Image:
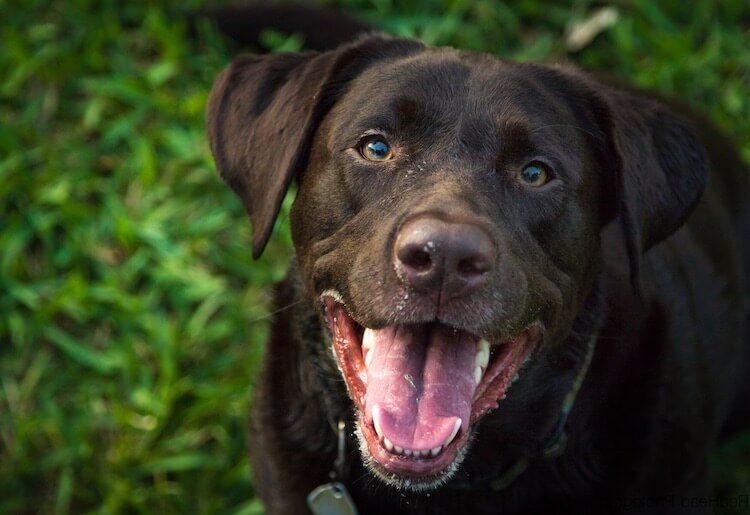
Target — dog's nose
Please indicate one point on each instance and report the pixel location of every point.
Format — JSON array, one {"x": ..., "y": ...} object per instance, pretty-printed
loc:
[{"x": 435, "y": 255}]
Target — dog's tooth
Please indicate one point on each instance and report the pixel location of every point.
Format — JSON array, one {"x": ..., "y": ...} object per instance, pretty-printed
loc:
[
  {"x": 368, "y": 339},
  {"x": 477, "y": 374},
  {"x": 483, "y": 353},
  {"x": 482, "y": 359},
  {"x": 399, "y": 450},
  {"x": 453, "y": 433},
  {"x": 387, "y": 444},
  {"x": 434, "y": 452},
  {"x": 368, "y": 358},
  {"x": 376, "y": 422}
]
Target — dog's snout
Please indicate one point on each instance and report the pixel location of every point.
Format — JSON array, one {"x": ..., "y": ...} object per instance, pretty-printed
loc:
[{"x": 436, "y": 255}]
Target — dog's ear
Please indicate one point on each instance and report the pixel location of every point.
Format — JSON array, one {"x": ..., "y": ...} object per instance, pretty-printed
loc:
[
  {"x": 655, "y": 168},
  {"x": 660, "y": 169},
  {"x": 262, "y": 115}
]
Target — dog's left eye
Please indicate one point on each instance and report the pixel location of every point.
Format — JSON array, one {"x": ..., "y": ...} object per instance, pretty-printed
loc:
[
  {"x": 376, "y": 149},
  {"x": 535, "y": 175}
]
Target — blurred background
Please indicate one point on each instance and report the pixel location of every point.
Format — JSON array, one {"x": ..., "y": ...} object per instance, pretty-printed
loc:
[{"x": 132, "y": 317}]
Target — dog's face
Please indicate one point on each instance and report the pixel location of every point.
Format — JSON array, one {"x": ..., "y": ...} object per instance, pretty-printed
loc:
[
  {"x": 434, "y": 187},
  {"x": 447, "y": 221}
]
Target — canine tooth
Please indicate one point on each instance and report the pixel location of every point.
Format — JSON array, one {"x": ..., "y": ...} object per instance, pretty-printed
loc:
[
  {"x": 434, "y": 452},
  {"x": 368, "y": 358},
  {"x": 368, "y": 339},
  {"x": 453, "y": 433},
  {"x": 376, "y": 422},
  {"x": 482, "y": 359},
  {"x": 483, "y": 353},
  {"x": 387, "y": 444},
  {"x": 399, "y": 450},
  {"x": 477, "y": 374}
]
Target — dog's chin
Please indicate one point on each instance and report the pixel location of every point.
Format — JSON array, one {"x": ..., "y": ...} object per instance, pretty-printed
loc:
[
  {"x": 419, "y": 390},
  {"x": 399, "y": 480}
]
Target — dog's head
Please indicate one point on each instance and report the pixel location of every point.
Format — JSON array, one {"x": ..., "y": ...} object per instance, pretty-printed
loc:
[{"x": 448, "y": 217}]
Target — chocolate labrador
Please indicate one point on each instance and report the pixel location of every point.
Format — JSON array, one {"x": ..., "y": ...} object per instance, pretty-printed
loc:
[{"x": 514, "y": 287}]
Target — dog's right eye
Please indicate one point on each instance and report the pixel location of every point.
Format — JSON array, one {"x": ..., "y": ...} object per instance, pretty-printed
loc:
[
  {"x": 535, "y": 175},
  {"x": 376, "y": 149}
]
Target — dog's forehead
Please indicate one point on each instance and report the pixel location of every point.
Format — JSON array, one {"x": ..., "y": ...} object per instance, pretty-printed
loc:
[{"x": 446, "y": 87}]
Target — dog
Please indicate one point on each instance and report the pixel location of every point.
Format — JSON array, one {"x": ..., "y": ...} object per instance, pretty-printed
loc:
[{"x": 515, "y": 287}]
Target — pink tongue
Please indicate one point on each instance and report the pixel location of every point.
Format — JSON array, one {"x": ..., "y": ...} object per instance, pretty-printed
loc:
[{"x": 419, "y": 382}]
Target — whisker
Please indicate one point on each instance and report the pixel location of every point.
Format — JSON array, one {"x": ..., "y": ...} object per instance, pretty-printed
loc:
[
  {"x": 595, "y": 136},
  {"x": 273, "y": 313},
  {"x": 599, "y": 336}
]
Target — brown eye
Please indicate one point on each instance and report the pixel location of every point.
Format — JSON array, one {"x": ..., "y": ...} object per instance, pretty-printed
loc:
[
  {"x": 376, "y": 149},
  {"x": 535, "y": 175}
]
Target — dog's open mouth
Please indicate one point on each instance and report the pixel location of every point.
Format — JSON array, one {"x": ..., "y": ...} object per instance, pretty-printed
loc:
[{"x": 420, "y": 387}]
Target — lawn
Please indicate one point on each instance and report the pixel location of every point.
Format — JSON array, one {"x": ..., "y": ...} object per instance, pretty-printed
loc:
[{"x": 132, "y": 317}]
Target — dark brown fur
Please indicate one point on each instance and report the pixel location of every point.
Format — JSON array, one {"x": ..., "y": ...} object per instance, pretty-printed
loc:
[{"x": 636, "y": 245}]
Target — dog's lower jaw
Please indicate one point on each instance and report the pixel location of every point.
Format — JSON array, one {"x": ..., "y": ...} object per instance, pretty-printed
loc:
[{"x": 405, "y": 483}]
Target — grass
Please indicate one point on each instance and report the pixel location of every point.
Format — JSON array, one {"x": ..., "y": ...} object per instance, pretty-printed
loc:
[{"x": 131, "y": 315}]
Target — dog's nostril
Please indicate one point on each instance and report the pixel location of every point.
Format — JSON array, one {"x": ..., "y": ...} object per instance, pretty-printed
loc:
[
  {"x": 416, "y": 258},
  {"x": 472, "y": 266}
]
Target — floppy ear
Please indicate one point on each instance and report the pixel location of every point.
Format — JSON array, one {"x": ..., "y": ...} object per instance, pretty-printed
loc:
[
  {"x": 263, "y": 111},
  {"x": 654, "y": 166},
  {"x": 660, "y": 170}
]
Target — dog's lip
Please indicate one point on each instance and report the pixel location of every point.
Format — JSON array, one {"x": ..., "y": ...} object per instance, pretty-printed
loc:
[{"x": 507, "y": 358}]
